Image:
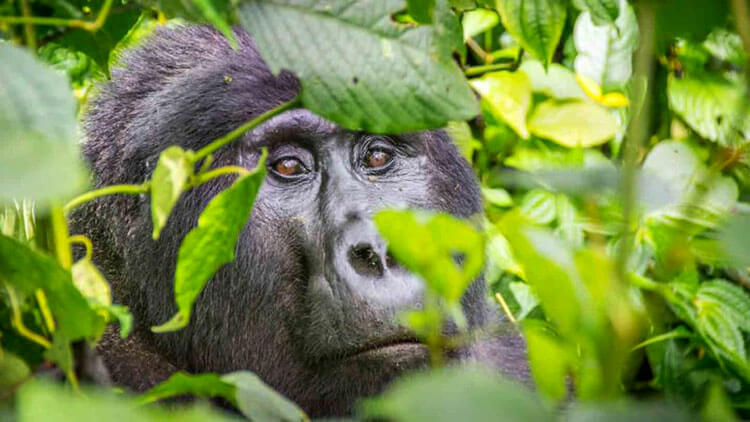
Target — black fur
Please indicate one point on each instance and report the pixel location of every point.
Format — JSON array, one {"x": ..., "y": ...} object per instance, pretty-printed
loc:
[{"x": 292, "y": 304}]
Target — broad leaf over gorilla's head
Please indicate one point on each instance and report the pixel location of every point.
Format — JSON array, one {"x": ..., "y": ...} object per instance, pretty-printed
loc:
[{"x": 386, "y": 77}]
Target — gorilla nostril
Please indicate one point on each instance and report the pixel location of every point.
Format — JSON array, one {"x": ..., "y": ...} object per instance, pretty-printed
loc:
[{"x": 365, "y": 261}]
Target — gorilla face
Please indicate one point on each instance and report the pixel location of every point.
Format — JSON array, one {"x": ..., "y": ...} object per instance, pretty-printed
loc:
[
  {"x": 310, "y": 301},
  {"x": 332, "y": 292}
]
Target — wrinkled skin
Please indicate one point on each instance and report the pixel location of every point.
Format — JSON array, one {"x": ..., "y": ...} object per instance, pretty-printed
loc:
[{"x": 309, "y": 302}]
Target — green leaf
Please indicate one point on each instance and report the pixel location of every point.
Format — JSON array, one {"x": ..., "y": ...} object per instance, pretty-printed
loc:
[
  {"x": 26, "y": 271},
  {"x": 676, "y": 174},
  {"x": 461, "y": 134},
  {"x": 244, "y": 390},
  {"x": 548, "y": 360},
  {"x": 574, "y": 124},
  {"x": 537, "y": 25},
  {"x": 212, "y": 244},
  {"x": 550, "y": 270},
  {"x": 556, "y": 81},
  {"x": 40, "y": 401},
  {"x": 136, "y": 36},
  {"x": 508, "y": 95},
  {"x": 170, "y": 178},
  {"x": 499, "y": 258},
  {"x": 100, "y": 43},
  {"x": 735, "y": 237},
  {"x": 385, "y": 78},
  {"x": 13, "y": 371},
  {"x": 525, "y": 298},
  {"x": 427, "y": 244},
  {"x": 538, "y": 206},
  {"x": 181, "y": 383},
  {"x": 605, "y": 53},
  {"x": 259, "y": 402},
  {"x": 718, "y": 328},
  {"x": 455, "y": 394},
  {"x": 731, "y": 299},
  {"x": 602, "y": 11},
  {"x": 90, "y": 282},
  {"x": 710, "y": 104},
  {"x": 39, "y": 157},
  {"x": 477, "y": 21},
  {"x": 421, "y": 10},
  {"x": 496, "y": 196},
  {"x": 219, "y": 13}
]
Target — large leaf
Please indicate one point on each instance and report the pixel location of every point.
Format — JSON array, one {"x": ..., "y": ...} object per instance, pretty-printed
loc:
[
  {"x": 456, "y": 394},
  {"x": 39, "y": 156},
  {"x": 574, "y": 124},
  {"x": 735, "y": 239},
  {"x": 678, "y": 170},
  {"x": 427, "y": 244},
  {"x": 259, "y": 402},
  {"x": 212, "y": 244},
  {"x": 537, "y": 25},
  {"x": 733, "y": 300},
  {"x": 550, "y": 269},
  {"x": 256, "y": 400},
  {"x": 508, "y": 95},
  {"x": 384, "y": 78},
  {"x": 605, "y": 53},
  {"x": 548, "y": 359},
  {"x": 170, "y": 178},
  {"x": 711, "y": 106},
  {"x": 47, "y": 402},
  {"x": 556, "y": 81}
]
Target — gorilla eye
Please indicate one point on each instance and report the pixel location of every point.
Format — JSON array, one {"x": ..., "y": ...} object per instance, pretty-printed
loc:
[
  {"x": 377, "y": 157},
  {"x": 288, "y": 167}
]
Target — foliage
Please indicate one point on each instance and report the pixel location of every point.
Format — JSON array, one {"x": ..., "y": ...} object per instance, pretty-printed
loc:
[{"x": 617, "y": 214}]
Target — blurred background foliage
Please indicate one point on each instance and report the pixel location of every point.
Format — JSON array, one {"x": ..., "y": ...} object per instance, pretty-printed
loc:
[{"x": 612, "y": 148}]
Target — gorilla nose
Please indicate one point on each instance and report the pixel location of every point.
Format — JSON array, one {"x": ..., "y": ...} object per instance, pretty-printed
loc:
[
  {"x": 362, "y": 262},
  {"x": 366, "y": 261}
]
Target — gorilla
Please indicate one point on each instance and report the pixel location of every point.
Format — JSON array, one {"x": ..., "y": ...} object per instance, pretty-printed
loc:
[{"x": 309, "y": 304}]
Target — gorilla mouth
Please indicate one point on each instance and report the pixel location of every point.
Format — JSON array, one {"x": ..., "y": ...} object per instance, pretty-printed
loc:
[{"x": 388, "y": 349}]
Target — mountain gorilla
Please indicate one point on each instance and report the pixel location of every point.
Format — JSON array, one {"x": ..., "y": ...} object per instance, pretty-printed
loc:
[{"x": 309, "y": 302}]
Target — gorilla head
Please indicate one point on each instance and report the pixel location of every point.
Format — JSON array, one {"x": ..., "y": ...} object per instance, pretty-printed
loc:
[{"x": 309, "y": 302}]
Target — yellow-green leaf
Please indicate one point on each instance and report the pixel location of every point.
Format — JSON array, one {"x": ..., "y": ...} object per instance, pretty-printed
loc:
[
  {"x": 168, "y": 182},
  {"x": 573, "y": 124},
  {"x": 212, "y": 244},
  {"x": 508, "y": 95}
]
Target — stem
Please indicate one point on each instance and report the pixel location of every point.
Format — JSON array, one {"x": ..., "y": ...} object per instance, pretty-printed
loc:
[
  {"x": 60, "y": 237},
  {"x": 479, "y": 70},
  {"x": 108, "y": 190},
  {"x": 218, "y": 172},
  {"x": 28, "y": 27},
  {"x": 231, "y": 136},
  {"x": 17, "y": 320},
  {"x": 85, "y": 241},
  {"x": 637, "y": 134},
  {"x": 501, "y": 300},
  {"x": 71, "y": 23},
  {"x": 663, "y": 337},
  {"x": 476, "y": 49},
  {"x": 41, "y": 299}
]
